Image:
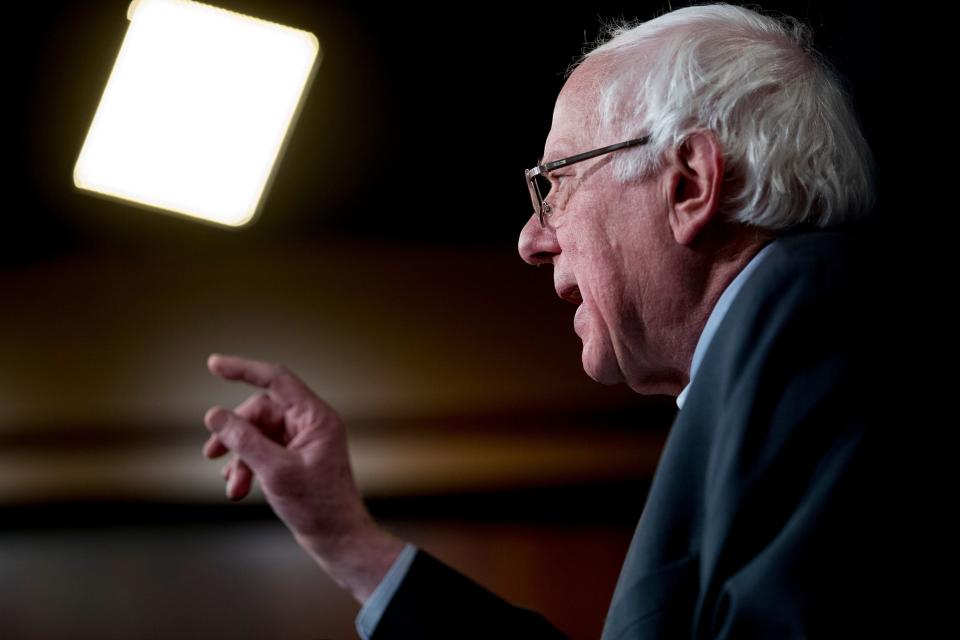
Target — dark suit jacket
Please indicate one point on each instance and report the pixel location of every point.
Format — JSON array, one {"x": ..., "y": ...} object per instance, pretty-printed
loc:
[{"x": 766, "y": 516}]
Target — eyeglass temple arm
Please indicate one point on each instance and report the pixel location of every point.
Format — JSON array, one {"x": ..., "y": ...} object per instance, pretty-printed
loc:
[{"x": 580, "y": 157}]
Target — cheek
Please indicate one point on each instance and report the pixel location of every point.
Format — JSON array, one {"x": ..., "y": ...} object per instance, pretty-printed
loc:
[
  {"x": 602, "y": 287},
  {"x": 608, "y": 304},
  {"x": 595, "y": 263}
]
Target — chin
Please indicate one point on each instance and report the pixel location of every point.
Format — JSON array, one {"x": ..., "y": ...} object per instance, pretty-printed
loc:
[{"x": 601, "y": 368}]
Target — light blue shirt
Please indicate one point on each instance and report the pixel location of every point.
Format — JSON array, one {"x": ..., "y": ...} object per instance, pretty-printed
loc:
[{"x": 376, "y": 604}]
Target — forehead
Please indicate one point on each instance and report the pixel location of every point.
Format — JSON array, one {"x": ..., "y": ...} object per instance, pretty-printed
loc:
[{"x": 576, "y": 117}]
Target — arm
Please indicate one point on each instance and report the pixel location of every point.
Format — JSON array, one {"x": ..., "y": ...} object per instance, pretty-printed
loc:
[
  {"x": 296, "y": 444},
  {"x": 436, "y": 602}
]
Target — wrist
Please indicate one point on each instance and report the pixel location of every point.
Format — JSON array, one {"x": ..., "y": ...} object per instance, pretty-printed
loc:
[{"x": 358, "y": 559}]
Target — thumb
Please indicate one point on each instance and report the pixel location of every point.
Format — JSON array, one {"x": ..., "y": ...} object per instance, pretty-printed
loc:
[{"x": 243, "y": 438}]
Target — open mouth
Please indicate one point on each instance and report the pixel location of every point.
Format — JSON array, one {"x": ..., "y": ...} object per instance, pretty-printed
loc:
[{"x": 571, "y": 294}]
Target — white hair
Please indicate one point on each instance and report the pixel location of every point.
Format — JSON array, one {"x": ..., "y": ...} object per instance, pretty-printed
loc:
[{"x": 793, "y": 151}]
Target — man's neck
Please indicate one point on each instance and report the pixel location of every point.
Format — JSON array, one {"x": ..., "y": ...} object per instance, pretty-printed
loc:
[{"x": 728, "y": 261}]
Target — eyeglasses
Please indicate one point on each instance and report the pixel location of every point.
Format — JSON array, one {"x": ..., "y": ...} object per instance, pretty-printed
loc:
[{"x": 537, "y": 175}]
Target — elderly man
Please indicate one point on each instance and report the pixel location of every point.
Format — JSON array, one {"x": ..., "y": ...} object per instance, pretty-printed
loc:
[{"x": 693, "y": 164}]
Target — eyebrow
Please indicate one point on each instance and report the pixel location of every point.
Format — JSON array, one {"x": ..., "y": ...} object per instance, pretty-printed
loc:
[{"x": 564, "y": 146}]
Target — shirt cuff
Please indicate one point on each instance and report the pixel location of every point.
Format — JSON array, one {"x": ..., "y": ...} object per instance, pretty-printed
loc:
[{"x": 376, "y": 604}]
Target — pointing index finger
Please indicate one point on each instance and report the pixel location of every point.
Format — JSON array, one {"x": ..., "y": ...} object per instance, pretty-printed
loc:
[
  {"x": 255, "y": 372},
  {"x": 285, "y": 387}
]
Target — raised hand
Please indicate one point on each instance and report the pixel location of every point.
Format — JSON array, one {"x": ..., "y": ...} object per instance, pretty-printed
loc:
[{"x": 295, "y": 443}]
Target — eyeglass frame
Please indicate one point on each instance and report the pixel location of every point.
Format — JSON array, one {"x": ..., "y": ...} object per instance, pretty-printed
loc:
[{"x": 540, "y": 207}]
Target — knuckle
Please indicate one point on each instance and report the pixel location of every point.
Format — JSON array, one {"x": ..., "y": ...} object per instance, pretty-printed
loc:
[
  {"x": 260, "y": 403},
  {"x": 312, "y": 413},
  {"x": 250, "y": 408},
  {"x": 241, "y": 439}
]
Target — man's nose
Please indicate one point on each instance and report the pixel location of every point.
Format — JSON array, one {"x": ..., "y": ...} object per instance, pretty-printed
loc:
[{"x": 538, "y": 244}]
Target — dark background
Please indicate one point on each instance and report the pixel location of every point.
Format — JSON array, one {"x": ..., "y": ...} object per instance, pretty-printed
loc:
[
  {"x": 415, "y": 129},
  {"x": 383, "y": 268}
]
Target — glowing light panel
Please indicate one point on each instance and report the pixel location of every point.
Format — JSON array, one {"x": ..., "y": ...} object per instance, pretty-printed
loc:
[{"x": 196, "y": 110}]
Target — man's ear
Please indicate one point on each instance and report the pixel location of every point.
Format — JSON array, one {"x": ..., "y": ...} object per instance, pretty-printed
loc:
[{"x": 695, "y": 185}]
